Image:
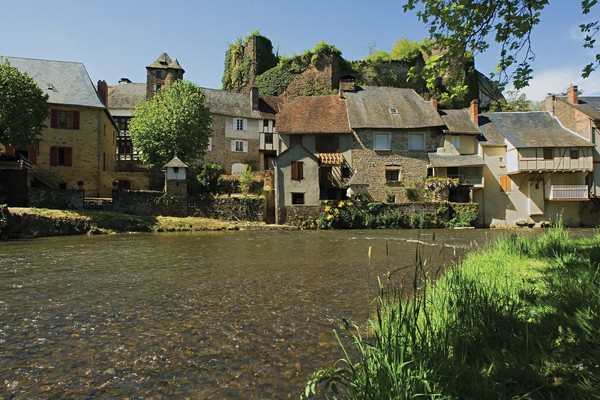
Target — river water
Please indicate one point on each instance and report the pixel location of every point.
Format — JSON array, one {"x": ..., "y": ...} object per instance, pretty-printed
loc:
[{"x": 204, "y": 315}]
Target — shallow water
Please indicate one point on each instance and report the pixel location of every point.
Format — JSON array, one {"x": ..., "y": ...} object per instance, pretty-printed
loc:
[{"x": 216, "y": 315}]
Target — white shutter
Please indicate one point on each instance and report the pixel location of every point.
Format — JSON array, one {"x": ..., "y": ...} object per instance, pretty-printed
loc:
[
  {"x": 233, "y": 145},
  {"x": 245, "y": 144},
  {"x": 245, "y": 127}
]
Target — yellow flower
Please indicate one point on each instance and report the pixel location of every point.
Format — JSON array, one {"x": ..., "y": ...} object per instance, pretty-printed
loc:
[
  {"x": 341, "y": 204},
  {"x": 349, "y": 204},
  {"x": 329, "y": 217},
  {"x": 327, "y": 208}
]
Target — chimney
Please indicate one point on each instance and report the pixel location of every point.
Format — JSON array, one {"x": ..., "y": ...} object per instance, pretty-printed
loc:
[
  {"x": 573, "y": 94},
  {"x": 475, "y": 112},
  {"x": 103, "y": 92},
  {"x": 347, "y": 84},
  {"x": 434, "y": 102},
  {"x": 124, "y": 80},
  {"x": 254, "y": 98}
]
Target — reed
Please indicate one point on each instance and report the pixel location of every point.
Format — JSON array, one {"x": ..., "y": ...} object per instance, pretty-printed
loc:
[{"x": 518, "y": 319}]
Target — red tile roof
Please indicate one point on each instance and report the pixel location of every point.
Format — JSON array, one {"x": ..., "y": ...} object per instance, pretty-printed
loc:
[{"x": 314, "y": 114}]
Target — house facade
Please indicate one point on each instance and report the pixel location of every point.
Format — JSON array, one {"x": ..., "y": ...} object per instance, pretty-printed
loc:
[
  {"x": 536, "y": 170},
  {"x": 78, "y": 142}
]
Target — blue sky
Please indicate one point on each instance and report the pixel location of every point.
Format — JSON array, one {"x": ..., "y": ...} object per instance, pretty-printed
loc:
[{"x": 116, "y": 39}]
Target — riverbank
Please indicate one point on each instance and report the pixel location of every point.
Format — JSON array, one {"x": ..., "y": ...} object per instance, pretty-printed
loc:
[
  {"x": 518, "y": 319},
  {"x": 20, "y": 223}
]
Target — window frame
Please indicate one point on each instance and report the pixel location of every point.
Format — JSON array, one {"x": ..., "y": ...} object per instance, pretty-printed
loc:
[
  {"x": 421, "y": 136},
  {"x": 240, "y": 124},
  {"x": 235, "y": 147},
  {"x": 61, "y": 156},
  {"x": 381, "y": 135},
  {"x": 295, "y": 196}
]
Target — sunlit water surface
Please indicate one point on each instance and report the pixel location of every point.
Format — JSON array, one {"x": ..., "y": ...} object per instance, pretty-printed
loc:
[{"x": 218, "y": 315}]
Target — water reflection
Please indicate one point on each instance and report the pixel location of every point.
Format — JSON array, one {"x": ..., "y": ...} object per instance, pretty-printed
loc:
[{"x": 222, "y": 315}]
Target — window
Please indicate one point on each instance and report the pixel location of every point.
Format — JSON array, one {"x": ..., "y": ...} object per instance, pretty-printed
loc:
[
  {"x": 346, "y": 172},
  {"x": 393, "y": 111},
  {"x": 61, "y": 156},
  {"x": 160, "y": 73},
  {"x": 239, "y": 146},
  {"x": 295, "y": 139},
  {"x": 505, "y": 183},
  {"x": 240, "y": 124},
  {"x": 265, "y": 125},
  {"x": 574, "y": 154},
  {"x": 157, "y": 87},
  {"x": 209, "y": 147},
  {"x": 392, "y": 175},
  {"x": 268, "y": 138},
  {"x": 416, "y": 141},
  {"x": 327, "y": 144},
  {"x": 381, "y": 141},
  {"x": 297, "y": 198},
  {"x": 64, "y": 119},
  {"x": 548, "y": 153},
  {"x": 297, "y": 170},
  {"x": 455, "y": 141}
]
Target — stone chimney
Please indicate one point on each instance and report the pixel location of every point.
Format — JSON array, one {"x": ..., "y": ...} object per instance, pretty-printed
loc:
[
  {"x": 254, "y": 98},
  {"x": 434, "y": 102},
  {"x": 103, "y": 92},
  {"x": 475, "y": 112},
  {"x": 573, "y": 94},
  {"x": 347, "y": 84}
]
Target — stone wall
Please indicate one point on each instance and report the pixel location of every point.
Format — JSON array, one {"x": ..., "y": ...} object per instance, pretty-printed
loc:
[
  {"x": 298, "y": 215},
  {"x": 148, "y": 202},
  {"x": 228, "y": 208},
  {"x": 40, "y": 197}
]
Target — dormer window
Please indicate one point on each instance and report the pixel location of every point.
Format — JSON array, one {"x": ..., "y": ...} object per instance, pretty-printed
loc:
[{"x": 393, "y": 111}]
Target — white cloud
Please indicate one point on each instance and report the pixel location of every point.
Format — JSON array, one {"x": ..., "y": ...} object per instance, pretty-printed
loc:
[{"x": 557, "y": 80}]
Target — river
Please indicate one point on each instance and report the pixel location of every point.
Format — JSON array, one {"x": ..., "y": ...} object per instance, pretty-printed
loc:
[{"x": 204, "y": 315}]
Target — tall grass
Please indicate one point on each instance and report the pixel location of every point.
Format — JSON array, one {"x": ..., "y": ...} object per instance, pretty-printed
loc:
[{"x": 519, "y": 319}]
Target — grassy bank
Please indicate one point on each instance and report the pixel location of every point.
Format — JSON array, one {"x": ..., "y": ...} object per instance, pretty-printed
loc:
[
  {"x": 34, "y": 222},
  {"x": 519, "y": 319}
]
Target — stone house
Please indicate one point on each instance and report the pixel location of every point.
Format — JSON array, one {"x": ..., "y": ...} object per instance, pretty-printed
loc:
[
  {"x": 236, "y": 124},
  {"x": 78, "y": 143},
  {"x": 314, "y": 153},
  {"x": 536, "y": 170},
  {"x": 459, "y": 156},
  {"x": 393, "y": 130}
]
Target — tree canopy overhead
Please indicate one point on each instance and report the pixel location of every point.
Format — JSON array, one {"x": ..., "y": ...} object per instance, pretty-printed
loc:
[
  {"x": 23, "y": 108},
  {"x": 464, "y": 27},
  {"x": 174, "y": 122}
]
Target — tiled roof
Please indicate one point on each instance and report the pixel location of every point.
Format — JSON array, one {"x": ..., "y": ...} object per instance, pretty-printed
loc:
[
  {"x": 230, "y": 103},
  {"x": 459, "y": 121},
  {"x": 126, "y": 96},
  {"x": 589, "y": 105},
  {"x": 373, "y": 107},
  {"x": 527, "y": 129},
  {"x": 269, "y": 106},
  {"x": 65, "y": 82},
  {"x": 176, "y": 163},
  {"x": 455, "y": 160},
  {"x": 164, "y": 62},
  {"x": 314, "y": 114}
]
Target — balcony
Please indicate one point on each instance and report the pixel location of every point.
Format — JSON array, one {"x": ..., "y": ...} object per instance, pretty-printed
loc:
[
  {"x": 569, "y": 192},
  {"x": 268, "y": 141}
]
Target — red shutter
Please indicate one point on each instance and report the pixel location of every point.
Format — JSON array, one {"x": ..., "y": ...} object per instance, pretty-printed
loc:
[
  {"x": 54, "y": 156},
  {"x": 32, "y": 155},
  {"x": 10, "y": 151},
  {"x": 54, "y": 118},
  {"x": 300, "y": 170},
  {"x": 75, "y": 119},
  {"x": 68, "y": 157},
  {"x": 294, "y": 170}
]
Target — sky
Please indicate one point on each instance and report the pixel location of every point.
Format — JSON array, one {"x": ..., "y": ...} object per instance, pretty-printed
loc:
[{"x": 118, "y": 39}]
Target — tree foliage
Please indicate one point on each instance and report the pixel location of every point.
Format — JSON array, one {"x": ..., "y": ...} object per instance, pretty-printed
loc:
[
  {"x": 463, "y": 27},
  {"x": 23, "y": 108},
  {"x": 174, "y": 122},
  {"x": 514, "y": 101}
]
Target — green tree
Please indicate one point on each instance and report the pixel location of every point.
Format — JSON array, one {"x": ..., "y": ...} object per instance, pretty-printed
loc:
[
  {"x": 464, "y": 28},
  {"x": 23, "y": 108},
  {"x": 174, "y": 121},
  {"x": 514, "y": 101}
]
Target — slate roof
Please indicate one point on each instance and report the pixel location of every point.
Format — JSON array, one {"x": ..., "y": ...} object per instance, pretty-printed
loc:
[
  {"x": 527, "y": 129},
  {"x": 125, "y": 97},
  {"x": 65, "y": 82},
  {"x": 176, "y": 163},
  {"x": 164, "y": 62},
  {"x": 459, "y": 121},
  {"x": 269, "y": 106},
  {"x": 369, "y": 107},
  {"x": 314, "y": 114},
  {"x": 455, "y": 160},
  {"x": 230, "y": 103},
  {"x": 589, "y": 105}
]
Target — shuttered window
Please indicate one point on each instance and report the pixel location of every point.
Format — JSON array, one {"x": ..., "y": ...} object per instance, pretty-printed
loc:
[
  {"x": 240, "y": 124},
  {"x": 64, "y": 119},
  {"x": 505, "y": 183},
  {"x": 239, "y": 146},
  {"x": 297, "y": 170},
  {"x": 61, "y": 156}
]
